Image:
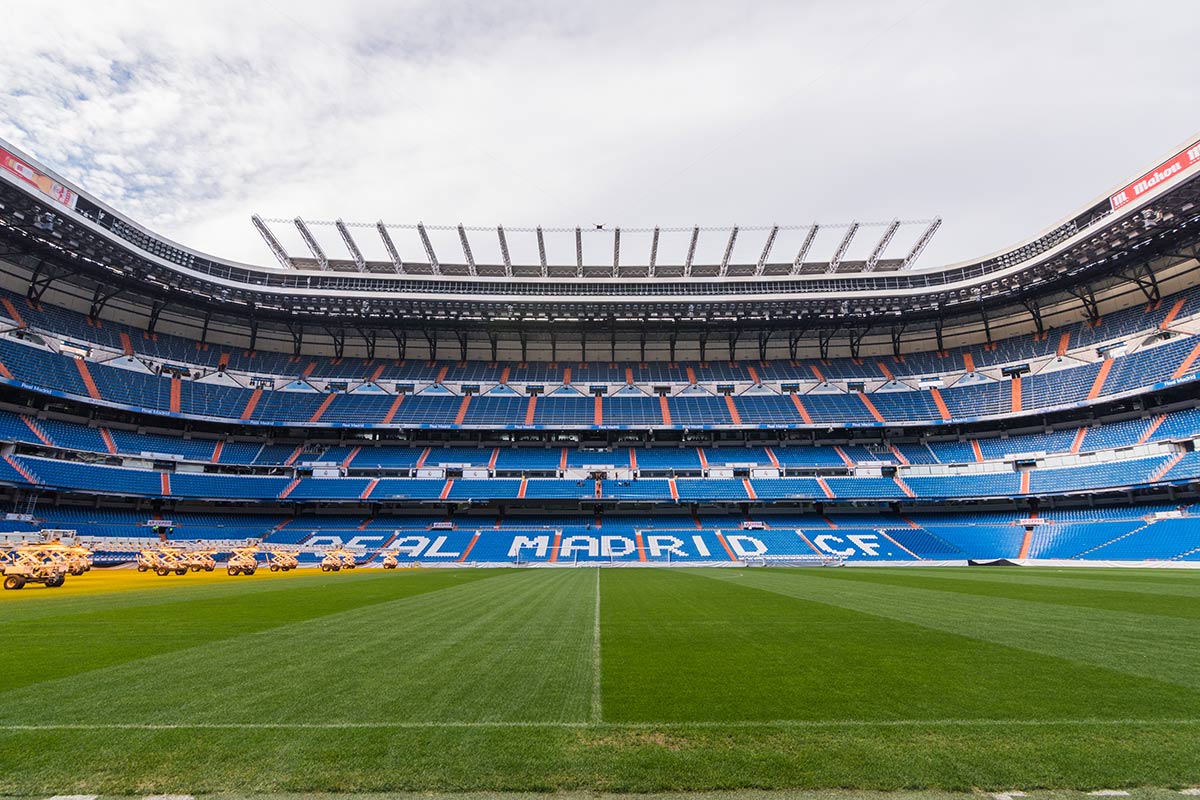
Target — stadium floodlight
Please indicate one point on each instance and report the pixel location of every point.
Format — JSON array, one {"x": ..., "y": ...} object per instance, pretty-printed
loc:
[
  {"x": 804, "y": 248},
  {"x": 351, "y": 245},
  {"x": 842, "y": 248},
  {"x": 920, "y": 244},
  {"x": 884, "y": 241},
  {"x": 466, "y": 246},
  {"x": 390, "y": 246},
  {"x": 312, "y": 244},
  {"x": 272, "y": 243},
  {"x": 728, "y": 251},
  {"x": 433, "y": 260},
  {"x": 691, "y": 254},
  {"x": 504, "y": 251},
  {"x": 541, "y": 240},
  {"x": 766, "y": 251}
]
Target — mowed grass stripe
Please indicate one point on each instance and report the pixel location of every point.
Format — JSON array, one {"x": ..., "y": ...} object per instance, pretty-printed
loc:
[
  {"x": 595, "y": 758},
  {"x": 678, "y": 648},
  {"x": 517, "y": 647},
  {"x": 1143, "y": 645},
  {"x": 1125, "y": 581},
  {"x": 613, "y": 726},
  {"x": 1174, "y": 604},
  {"x": 104, "y": 634}
]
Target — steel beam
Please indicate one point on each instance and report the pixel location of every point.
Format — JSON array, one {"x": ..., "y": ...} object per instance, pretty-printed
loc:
[
  {"x": 728, "y": 251},
  {"x": 653, "y": 253},
  {"x": 272, "y": 243},
  {"x": 884, "y": 241},
  {"x": 541, "y": 239},
  {"x": 390, "y": 246},
  {"x": 433, "y": 260},
  {"x": 691, "y": 254},
  {"x": 313, "y": 247},
  {"x": 351, "y": 245},
  {"x": 578, "y": 253},
  {"x": 920, "y": 244},
  {"x": 466, "y": 246},
  {"x": 616, "y": 269},
  {"x": 504, "y": 252},
  {"x": 766, "y": 251},
  {"x": 841, "y": 249},
  {"x": 804, "y": 248}
]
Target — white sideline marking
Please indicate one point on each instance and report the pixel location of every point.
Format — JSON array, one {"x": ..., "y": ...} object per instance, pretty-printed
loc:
[
  {"x": 501, "y": 724},
  {"x": 1008, "y": 795},
  {"x": 74, "y": 797},
  {"x": 597, "y": 708},
  {"x": 1190, "y": 791},
  {"x": 1108, "y": 793},
  {"x": 169, "y": 797}
]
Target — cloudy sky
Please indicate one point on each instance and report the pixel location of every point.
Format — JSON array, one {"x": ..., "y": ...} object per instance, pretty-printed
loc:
[{"x": 999, "y": 117}]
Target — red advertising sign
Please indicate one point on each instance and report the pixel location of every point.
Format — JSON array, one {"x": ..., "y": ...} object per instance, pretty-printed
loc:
[
  {"x": 33, "y": 177},
  {"x": 1163, "y": 173}
]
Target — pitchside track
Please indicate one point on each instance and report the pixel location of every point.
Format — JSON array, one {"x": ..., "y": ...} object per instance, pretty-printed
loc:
[{"x": 614, "y": 680}]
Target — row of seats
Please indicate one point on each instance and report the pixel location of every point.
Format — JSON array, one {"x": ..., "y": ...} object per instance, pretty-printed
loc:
[
  {"x": 1176, "y": 426},
  {"x": 1173, "y": 361},
  {"x": 174, "y": 349},
  {"x": 83, "y": 477}
]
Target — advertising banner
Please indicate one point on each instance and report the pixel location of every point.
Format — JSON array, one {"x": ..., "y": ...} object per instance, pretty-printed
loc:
[
  {"x": 33, "y": 177},
  {"x": 1163, "y": 173}
]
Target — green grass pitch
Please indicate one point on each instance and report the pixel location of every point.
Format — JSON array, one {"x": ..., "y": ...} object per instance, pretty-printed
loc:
[{"x": 628, "y": 680}]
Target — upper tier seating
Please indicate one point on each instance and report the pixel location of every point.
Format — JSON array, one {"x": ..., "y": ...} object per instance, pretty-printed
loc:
[
  {"x": 140, "y": 390},
  {"x": 122, "y": 338},
  {"x": 126, "y": 381}
]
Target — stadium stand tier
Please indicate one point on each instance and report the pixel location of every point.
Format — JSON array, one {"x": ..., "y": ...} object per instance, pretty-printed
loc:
[{"x": 1049, "y": 411}]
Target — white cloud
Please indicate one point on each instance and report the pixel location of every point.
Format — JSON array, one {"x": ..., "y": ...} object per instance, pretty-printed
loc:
[{"x": 1000, "y": 117}]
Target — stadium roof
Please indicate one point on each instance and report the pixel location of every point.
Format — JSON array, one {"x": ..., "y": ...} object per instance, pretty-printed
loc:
[{"x": 62, "y": 232}]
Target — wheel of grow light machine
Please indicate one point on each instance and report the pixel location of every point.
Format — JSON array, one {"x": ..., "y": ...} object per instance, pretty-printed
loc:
[
  {"x": 181, "y": 571},
  {"x": 13, "y": 582},
  {"x": 274, "y": 568},
  {"x": 56, "y": 581},
  {"x": 162, "y": 572},
  {"x": 233, "y": 570}
]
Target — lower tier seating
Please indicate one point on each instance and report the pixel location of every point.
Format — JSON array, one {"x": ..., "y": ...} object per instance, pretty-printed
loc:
[{"x": 1129, "y": 534}]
